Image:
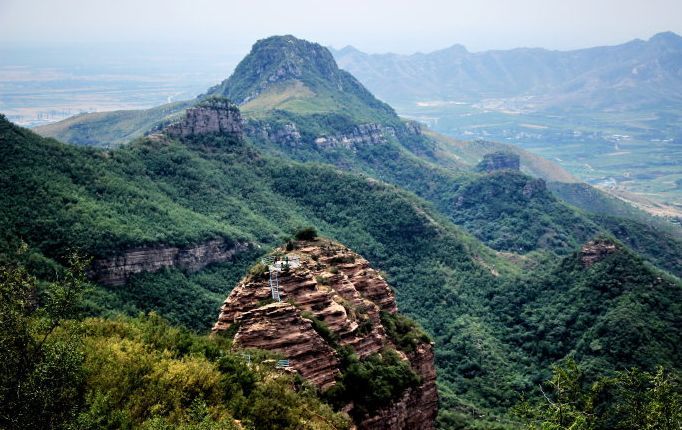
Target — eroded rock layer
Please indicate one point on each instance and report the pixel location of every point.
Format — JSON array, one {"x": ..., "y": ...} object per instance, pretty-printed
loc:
[
  {"x": 281, "y": 326},
  {"x": 116, "y": 270},
  {"x": 324, "y": 282},
  {"x": 499, "y": 161},
  {"x": 210, "y": 116}
]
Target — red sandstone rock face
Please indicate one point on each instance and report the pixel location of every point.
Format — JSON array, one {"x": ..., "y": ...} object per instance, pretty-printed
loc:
[
  {"x": 339, "y": 288},
  {"x": 596, "y": 250},
  {"x": 279, "y": 326},
  {"x": 116, "y": 270}
]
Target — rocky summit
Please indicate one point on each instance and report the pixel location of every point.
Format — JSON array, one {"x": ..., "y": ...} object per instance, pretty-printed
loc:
[
  {"x": 311, "y": 301},
  {"x": 213, "y": 115}
]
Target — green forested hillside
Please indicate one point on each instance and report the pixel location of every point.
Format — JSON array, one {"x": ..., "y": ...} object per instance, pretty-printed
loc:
[
  {"x": 486, "y": 311},
  {"x": 63, "y": 372},
  {"x": 489, "y": 264}
]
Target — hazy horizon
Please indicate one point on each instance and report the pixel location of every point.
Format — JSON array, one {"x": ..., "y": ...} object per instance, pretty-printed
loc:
[{"x": 376, "y": 27}]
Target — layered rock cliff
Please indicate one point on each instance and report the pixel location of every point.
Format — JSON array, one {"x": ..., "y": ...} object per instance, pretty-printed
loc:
[
  {"x": 213, "y": 115},
  {"x": 116, "y": 270},
  {"x": 288, "y": 134},
  {"x": 324, "y": 283}
]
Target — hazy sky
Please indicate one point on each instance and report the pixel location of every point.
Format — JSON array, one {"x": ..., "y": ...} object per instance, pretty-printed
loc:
[{"x": 373, "y": 26}]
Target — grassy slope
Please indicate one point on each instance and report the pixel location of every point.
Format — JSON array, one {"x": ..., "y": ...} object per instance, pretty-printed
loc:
[
  {"x": 110, "y": 129},
  {"x": 471, "y": 152}
]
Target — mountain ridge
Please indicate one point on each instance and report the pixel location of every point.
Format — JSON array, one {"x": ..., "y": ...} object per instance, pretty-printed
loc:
[{"x": 525, "y": 71}]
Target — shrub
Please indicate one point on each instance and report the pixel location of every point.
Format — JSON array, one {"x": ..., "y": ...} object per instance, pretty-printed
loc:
[
  {"x": 403, "y": 332},
  {"x": 372, "y": 383},
  {"x": 258, "y": 270},
  {"x": 306, "y": 233},
  {"x": 322, "y": 329}
]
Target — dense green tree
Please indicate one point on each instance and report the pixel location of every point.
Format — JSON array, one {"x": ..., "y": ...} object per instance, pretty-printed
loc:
[
  {"x": 40, "y": 347},
  {"x": 629, "y": 399}
]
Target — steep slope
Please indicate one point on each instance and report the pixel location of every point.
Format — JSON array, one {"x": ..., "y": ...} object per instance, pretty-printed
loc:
[
  {"x": 159, "y": 192},
  {"x": 469, "y": 153},
  {"x": 199, "y": 188},
  {"x": 283, "y": 72},
  {"x": 330, "y": 307},
  {"x": 386, "y": 148}
]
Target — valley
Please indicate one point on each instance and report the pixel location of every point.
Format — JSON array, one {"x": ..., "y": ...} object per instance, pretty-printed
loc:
[
  {"x": 609, "y": 115},
  {"x": 641, "y": 161}
]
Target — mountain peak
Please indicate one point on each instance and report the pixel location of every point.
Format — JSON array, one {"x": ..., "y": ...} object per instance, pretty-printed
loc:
[
  {"x": 291, "y": 74},
  {"x": 667, "y": 38},
  {"x": 278, "y": 59},
  {"x": 347, "y": 50}
]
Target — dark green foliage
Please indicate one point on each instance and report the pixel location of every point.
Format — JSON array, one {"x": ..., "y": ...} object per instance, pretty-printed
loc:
[
  {"x": 510, "y": 211},
  {"x": 506, "y": 210},
  {"x": 660, "y": 244},
  {"x": 497, "y": 323},
  {"x": 306, "y": 233},
  {"x": 616, "y": 314},
  {"x": 630, "y": 399},
  {"x": 372, "y": 383},
  {"x": 403, "y": 332},
  {"x": 41, "y": 352}
]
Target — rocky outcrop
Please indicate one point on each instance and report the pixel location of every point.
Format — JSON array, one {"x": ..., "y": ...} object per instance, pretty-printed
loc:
[
  {"x": 596, "y": 250},
  {"x": 413, "y": 128},
  {"x": 214, "y": 115},
  {"x": 283, "y": 134},
  {"x": 363, "y": 134},
  {"x": 499, "y": 161},
  {"x": 333, "y": 284},
  {"x": 288, "y": 134},
  {"x": 117, "y": 270},
  {"x": 327, "y": 284}
]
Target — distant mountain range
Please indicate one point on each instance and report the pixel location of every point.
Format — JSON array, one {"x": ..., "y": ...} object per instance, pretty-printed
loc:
[{"x": 633, "y": 75}]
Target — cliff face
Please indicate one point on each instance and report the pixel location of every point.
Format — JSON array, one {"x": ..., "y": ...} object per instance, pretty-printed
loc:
[
  {"x": 271, "y": 326},
  {"x": 210, "y": 116},
  {"x": 288, "y": 134},
  {"x": 116, "y": 270},
  {"x": 327, "y": 282}
]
